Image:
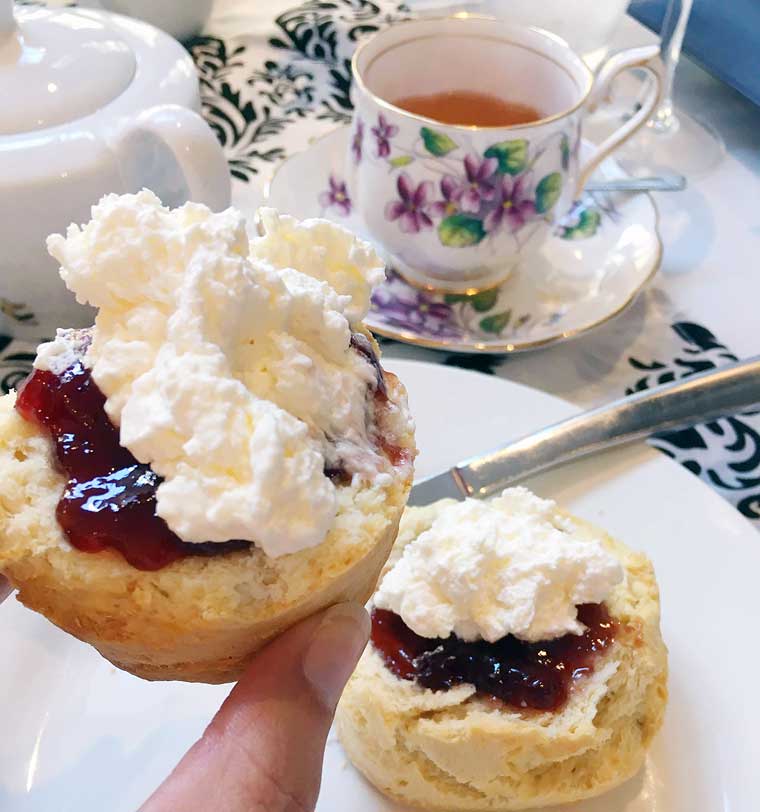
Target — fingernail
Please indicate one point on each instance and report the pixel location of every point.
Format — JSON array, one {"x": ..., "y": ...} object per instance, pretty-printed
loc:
[{"x": 334, "y": 649}]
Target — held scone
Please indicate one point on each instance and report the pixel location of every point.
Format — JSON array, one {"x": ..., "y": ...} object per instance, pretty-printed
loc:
[
  {"x": 221, "y": 456},
  {"x": 412, "y": 719}
]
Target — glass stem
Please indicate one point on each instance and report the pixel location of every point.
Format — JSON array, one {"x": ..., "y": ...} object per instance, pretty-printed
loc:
[{"x": 673, "y": 31}]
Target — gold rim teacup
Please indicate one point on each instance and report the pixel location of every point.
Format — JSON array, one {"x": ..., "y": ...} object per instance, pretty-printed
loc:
[{"x": 457, "y": 207}]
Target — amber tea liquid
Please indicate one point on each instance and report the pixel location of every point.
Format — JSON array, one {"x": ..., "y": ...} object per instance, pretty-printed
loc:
[{"x": 469, "y": 107}]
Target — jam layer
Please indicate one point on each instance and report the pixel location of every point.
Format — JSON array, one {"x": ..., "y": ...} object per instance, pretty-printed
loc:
[
  {"x": 110, "y": 498},
  {"x": 523, "y": 675},
  {"x": 395, "y": 454}
]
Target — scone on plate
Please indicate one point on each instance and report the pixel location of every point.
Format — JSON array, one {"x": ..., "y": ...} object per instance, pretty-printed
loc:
[
  {"x": 220, "y": 456},
  {"x": 516, "y": 660}
]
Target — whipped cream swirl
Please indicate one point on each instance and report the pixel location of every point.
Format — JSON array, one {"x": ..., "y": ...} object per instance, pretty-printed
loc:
[
  {"x": 226, "y": 364},
  {"x": 484, "y": 570}
]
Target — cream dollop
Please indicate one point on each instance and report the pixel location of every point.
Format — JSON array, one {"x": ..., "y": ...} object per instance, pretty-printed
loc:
[
  {"x": 227, "y": 366},
  {"x": 484, "y": 570}
]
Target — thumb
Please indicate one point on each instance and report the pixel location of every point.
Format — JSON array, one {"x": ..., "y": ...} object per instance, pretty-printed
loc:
[
  {"x": 5, "y": 589},
  {"x": 263, "y": 750}
]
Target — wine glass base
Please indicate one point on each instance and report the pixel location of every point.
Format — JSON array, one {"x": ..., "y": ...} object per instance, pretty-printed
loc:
[{"x": 689, "y": 147}]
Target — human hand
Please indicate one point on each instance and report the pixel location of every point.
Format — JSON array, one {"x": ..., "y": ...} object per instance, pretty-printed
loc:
[{"x": 263, "y": 750}]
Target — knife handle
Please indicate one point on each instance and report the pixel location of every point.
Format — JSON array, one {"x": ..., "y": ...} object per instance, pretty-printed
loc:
[{"x": 697, "y": 399}]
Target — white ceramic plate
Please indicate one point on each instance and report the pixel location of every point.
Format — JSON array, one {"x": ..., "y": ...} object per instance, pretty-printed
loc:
[{"x": 80, "y": 736}]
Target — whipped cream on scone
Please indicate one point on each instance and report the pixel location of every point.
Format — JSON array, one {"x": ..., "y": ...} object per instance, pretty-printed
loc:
[
  {"x": 485, "y": 570},
  {"x": 227, "y": 364},
  {"x": 221, "y": 456}
]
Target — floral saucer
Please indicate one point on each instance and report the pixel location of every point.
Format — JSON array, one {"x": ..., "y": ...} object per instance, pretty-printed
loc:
[{"x": 600, "y": 257}]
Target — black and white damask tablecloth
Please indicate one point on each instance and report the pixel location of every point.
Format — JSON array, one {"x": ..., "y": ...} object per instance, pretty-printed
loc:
[{"x": 275, "y": 74}]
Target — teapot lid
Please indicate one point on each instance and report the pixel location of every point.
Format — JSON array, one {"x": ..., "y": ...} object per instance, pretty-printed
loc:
[{"x": 57, "y": 65}]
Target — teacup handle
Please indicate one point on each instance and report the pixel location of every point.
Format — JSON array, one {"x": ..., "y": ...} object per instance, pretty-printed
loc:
[
  {"x": 171, "y": 150},
  {"x": 646, "y": 57}
]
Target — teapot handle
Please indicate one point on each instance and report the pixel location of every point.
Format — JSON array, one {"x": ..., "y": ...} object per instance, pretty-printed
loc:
[{"x": 172, "y": 151}]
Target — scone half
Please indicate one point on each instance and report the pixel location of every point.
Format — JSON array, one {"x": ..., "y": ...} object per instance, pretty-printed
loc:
[
  {"x": 452, "y": 750},
  {"x": 199, "y": 619}
]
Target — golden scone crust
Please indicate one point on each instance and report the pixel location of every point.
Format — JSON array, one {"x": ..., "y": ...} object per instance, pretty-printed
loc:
[
  {"x": 198, "y": 619},
  {"x": 451, "y": 750}
]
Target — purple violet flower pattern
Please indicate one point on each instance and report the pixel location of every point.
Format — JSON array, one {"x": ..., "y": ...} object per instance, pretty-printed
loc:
[
  {"x": 336, "y": 197},
  {"x": 452, "y": 192},
  {"x": 357, "y": 141},
  {"x": 483, "y": 196},
  {"x": 383, "y": 132},
  {"x": 412, "y": 207},
  {"x": 479, "y": 185},
  {"x": 513, "y": 206},
  {"x": 414, "y": 310}
]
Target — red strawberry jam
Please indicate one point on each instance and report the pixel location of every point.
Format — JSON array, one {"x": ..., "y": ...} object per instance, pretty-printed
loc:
[
  {"x": 524, "y": 675},
  {"x": 396, "y": 454},
  {"x": 110, "y": 498}
]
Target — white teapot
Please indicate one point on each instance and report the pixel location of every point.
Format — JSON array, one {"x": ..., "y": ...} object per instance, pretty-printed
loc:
[{"x": 90, "y": 103}]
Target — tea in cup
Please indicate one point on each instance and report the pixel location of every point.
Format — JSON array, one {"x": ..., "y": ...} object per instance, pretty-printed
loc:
[
  {"x": 464, "y": 151},
  {"x": 469, "y": 107}
]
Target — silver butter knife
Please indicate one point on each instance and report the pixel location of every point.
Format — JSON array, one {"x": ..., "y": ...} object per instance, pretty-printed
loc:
[{"x": 726, "y": 391}]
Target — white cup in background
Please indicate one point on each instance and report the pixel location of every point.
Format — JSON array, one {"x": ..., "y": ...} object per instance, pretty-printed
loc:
[
  {"x": 588, "y": 26},
  {"x": 180, "y": 18}
]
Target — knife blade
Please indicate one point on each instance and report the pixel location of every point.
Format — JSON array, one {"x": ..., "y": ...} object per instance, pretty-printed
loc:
[{"x": 699, "y": 398}]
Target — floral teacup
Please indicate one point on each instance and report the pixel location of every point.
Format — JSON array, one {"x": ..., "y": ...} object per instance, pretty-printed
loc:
[{"x": 456, "y": 207}]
